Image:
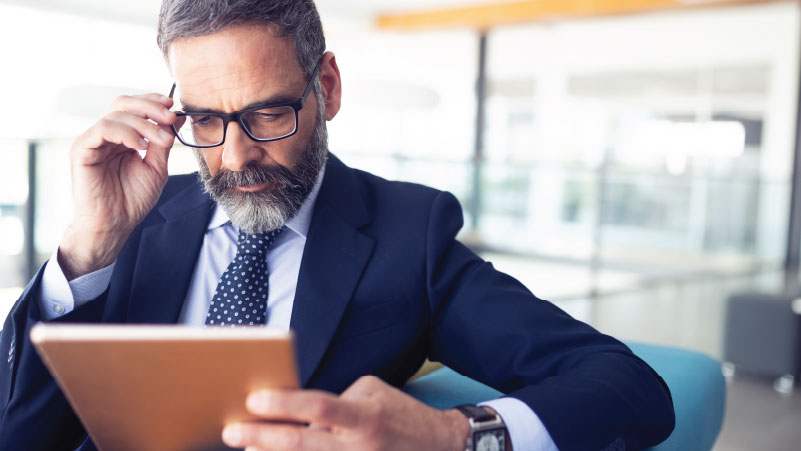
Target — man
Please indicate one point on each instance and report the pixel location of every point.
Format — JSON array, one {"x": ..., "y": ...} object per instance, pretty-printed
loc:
[{"x": 367, "y": 272}]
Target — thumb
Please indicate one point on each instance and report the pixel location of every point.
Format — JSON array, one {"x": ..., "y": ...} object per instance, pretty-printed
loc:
[{"x": 366, "y": 388}]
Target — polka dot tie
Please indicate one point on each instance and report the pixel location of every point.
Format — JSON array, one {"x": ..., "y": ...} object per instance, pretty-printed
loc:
[{"x": 241, "y": 295}]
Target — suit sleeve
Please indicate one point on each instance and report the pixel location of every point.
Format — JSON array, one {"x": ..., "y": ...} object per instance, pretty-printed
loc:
[
  {"x": 34, "y": 415},
  {"x": 589, "y": 390}
]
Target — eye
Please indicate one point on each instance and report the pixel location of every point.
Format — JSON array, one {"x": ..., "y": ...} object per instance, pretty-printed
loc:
[
  {"x": 265, "y": 116},
  {"x": 202, "y": 120}
]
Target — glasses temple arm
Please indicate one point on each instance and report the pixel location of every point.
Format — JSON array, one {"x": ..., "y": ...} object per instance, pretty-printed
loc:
[{"x": 310, "y": 85}]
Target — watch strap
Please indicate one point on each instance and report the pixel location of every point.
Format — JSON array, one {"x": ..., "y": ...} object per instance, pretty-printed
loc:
[
  {"x": 476, "y": 413},
  {"x": 481, "y": 422}
]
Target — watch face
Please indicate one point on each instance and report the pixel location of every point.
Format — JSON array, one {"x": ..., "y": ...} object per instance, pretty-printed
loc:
[{"x": 493, "y": 440}]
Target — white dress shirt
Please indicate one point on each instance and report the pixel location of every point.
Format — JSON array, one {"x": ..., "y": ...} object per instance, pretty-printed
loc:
[{"x": 58, "y": 297}]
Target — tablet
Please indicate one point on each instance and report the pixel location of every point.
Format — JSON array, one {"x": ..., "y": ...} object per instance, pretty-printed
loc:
[{"x": 163, "y": 387}]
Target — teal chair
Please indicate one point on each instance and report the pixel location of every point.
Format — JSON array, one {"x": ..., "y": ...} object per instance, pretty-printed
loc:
[{"x": 695, "y": 381}]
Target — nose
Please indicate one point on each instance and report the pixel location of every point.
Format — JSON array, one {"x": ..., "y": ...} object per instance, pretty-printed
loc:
[{"x": 238, "y": 149}]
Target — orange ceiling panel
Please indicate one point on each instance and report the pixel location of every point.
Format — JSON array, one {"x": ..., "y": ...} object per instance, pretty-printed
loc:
[{"x": 515, "y": 12}]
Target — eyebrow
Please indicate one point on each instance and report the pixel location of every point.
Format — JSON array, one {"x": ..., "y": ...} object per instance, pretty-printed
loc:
[{"x": 278, "y": 98}]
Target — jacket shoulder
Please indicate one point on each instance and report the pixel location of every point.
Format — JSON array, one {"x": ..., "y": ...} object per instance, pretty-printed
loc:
[
  {"x": 380, "y": 191},
  {"x": 178, "y": 183},
  {"x": 400, "y": 207}
]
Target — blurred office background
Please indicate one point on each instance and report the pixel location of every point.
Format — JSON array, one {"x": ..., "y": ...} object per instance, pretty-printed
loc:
[{"x": 636, "y": 169}]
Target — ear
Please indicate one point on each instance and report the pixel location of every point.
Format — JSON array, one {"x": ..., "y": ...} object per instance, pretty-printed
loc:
[{"x": 331, "y": 85}]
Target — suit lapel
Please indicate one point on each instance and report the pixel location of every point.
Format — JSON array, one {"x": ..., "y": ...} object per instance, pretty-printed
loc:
[
  {"x": 334, "y": 258},
  {"x": 168, "y": 253}
]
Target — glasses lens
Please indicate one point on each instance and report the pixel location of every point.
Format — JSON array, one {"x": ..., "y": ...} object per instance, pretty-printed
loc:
[
  {"x": 200, "y": 129},
  {"x": 271, "y": 123}
]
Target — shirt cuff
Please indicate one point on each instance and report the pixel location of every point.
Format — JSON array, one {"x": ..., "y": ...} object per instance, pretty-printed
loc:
[
  {"x": 92, "y": 285},
  {"x": 526, "y": 430},
  {"x": 58, "y": 297}
]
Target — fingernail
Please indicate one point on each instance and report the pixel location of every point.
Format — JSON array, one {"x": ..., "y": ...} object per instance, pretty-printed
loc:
[
  {"x": 164, "y": 135},
  {"x": 258, "y": 401},
  {"x": 142, "y": 144},
  {"x": 232, "y": 435}
]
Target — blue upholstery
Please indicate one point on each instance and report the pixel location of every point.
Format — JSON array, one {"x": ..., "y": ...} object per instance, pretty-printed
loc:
[
  {"x": 695, "y": 381},
  {"x": 699, "y": 395}
]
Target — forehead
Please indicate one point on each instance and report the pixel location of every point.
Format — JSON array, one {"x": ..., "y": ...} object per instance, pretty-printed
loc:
[{"x": 234, "y": 67}]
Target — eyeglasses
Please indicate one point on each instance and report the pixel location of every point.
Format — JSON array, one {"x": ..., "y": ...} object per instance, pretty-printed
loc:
[{"x": 262, "y": 123}]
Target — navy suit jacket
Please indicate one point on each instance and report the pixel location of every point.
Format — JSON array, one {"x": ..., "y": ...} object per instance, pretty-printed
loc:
[{"x": 383, "y": 285}]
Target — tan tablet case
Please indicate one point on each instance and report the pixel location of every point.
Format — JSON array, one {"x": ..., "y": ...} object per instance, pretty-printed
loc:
[{"x": 163, "y": 387}]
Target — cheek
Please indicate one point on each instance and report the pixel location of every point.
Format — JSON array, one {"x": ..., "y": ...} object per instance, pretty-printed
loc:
[
  {"x": 299, "y": 146},
  {"x": 286, "y": 152},
  {"x": 213, "y": 159},
  {"x": 306, "y": 127}
]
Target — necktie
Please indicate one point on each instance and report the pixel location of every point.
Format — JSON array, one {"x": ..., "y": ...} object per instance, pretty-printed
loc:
[{"x": 241, "y": 295}]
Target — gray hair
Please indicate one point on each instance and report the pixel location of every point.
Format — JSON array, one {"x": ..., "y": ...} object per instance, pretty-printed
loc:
[{"x": 295, "y": 19}]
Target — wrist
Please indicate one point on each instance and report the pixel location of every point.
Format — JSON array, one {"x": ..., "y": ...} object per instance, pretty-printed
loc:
[
  {"x": 458, "y": 427},
  {"x": 82, "y": 252}
]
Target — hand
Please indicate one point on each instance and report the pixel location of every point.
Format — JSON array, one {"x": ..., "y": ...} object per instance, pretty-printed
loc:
[
  {"x": 369, "y": 415},
  {"x": 113, "y": 187}
]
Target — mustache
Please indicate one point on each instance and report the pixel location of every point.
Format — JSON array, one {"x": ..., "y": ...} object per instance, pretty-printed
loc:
[{"x": 253, "y": 174}]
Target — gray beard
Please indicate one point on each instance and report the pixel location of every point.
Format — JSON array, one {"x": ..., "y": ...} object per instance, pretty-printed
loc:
[{"x": 272, "y": 207}]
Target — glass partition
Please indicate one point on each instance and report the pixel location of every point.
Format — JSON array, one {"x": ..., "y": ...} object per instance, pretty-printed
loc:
[
  {"x": 13, "y": 201},
  {"x": 618, "y": 149}
]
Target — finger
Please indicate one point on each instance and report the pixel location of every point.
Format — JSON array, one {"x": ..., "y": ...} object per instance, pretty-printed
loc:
[
  {"x": 157, "y": 156},
  {"x": 306, "y": 406},
  {"x": 279, "y": 437},
  {"x": 156, "y": 134},
  {"x": 150, "y": 106},
  {"x": 160, "y": 98},
  {"x": 107, "y": 131}
]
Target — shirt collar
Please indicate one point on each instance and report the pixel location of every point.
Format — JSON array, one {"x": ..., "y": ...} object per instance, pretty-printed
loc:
[{"x": 299, "y": 223}]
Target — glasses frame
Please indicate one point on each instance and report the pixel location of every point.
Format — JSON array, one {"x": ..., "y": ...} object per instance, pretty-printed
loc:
[{"x": 236, "y": 116}]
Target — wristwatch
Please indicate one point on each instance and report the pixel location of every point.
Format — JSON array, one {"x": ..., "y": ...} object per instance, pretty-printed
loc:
[{"x": 487, "y": 431}]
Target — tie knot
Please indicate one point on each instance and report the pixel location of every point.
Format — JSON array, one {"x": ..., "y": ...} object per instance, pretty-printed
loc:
[{"x": 256, "y": 244}]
